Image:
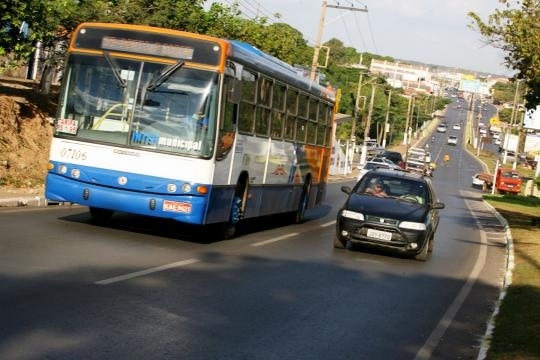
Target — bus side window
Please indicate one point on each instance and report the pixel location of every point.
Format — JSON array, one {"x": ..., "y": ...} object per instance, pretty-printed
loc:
[
  {"x": 227, "y": 127},
  {"x": 233, "y": 82}
]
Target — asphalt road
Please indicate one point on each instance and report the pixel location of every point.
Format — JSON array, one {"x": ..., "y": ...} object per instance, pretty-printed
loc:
[{"x": 143, "y": 288}]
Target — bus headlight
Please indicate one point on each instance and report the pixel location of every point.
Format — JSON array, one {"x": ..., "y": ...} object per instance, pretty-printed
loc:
[
  {"x": 75, "y": 173},
  {"x": 171, "y": 188},
  {"x": 62, "y": 169},
  {"x": 186, "y": 187}
]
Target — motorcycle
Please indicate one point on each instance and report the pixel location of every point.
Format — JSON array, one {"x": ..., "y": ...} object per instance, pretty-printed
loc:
[{"x": 428, "y": 170}]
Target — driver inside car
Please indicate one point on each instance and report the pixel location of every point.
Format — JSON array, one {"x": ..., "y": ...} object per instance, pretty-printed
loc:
[{"x": 376, "y": 189}]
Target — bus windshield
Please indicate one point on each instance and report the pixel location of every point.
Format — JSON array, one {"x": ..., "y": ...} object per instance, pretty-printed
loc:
[{"x": 139, "y": 104}]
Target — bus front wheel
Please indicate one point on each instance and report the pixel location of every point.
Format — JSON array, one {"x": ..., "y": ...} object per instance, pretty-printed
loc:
[{"x": 237, "y": 211}]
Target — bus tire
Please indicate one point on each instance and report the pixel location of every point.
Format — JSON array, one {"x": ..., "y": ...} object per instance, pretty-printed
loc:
[
  {"x": 100, "y": 215},
  {"x": 238, "y": 206},
  {"x": 299, "y": 216}
]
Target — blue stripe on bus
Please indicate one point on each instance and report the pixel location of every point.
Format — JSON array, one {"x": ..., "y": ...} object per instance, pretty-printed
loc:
[
  {"x": 135, "y": 196},
  {"x": 62, "y": 189}
]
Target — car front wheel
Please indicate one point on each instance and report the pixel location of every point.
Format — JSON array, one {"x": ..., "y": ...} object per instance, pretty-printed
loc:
[
  {"x": 424, "y": 253},
  {"x": 338, "y": 244}
]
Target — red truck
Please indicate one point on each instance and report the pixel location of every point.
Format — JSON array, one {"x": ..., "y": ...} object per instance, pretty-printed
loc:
[{"x": 506, "y": 181}]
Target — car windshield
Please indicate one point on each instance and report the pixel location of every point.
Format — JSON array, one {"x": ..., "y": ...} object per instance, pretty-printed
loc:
[
  {"x": 508, "y": 174},
  {"x": 374, "y": 165},
  {"x": 400, "y": 188}
]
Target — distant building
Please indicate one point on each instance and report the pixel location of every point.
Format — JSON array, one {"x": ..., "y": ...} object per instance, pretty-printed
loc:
[{"x": 404, "y": 76}]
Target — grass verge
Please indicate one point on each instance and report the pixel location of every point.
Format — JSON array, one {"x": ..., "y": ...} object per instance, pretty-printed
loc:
[{"x": 516, "y": 334}]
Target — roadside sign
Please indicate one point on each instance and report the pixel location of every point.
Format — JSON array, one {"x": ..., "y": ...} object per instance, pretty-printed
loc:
[
  {"x": 494, "y": 121},
  {"x": 474, "y": 86}
]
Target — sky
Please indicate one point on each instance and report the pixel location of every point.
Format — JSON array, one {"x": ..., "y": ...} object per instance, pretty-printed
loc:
[{"x": 429, "y": 31}]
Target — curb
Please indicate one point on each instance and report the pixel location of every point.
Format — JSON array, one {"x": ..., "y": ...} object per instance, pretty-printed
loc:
[{"x": 24, "y": 201}]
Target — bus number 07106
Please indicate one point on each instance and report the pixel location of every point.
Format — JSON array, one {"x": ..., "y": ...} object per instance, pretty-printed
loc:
[{"x": 73, "y": 154}]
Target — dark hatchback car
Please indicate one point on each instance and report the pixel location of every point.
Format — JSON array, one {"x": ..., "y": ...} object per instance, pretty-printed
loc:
[
  {"x": 403, "y": 217},
  {"x": 393, "y": 156}
]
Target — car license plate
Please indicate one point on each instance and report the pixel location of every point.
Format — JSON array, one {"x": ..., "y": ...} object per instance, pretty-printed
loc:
[
  {"x": 176, "y": 206},
  {"x": 380, "y": 235}
]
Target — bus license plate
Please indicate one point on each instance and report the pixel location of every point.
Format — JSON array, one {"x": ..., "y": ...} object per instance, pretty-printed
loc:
[
  {"x": 176, "y": 206},
  {"x": 379, "y": 235}
]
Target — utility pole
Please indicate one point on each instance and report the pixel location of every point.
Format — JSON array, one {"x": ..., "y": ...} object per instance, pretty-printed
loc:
[
  {"x": 356, "y": 110},
  {"x": 509, "y": 131},
  {"x": 363, "y": 155},
  {"x": 385, "y": 130},
  {"x": 315, "y": 62},
  {"x": 407, "y": 120}
]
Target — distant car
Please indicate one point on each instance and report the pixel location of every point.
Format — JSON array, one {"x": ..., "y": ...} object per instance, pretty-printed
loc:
[
  {"x": 510, "y": 156},
  {"x": 382, "y": 160},
  {"x": 477, "y": 180},
  {"x": 452, "y": 140},
  {"x": 394, "y": 156},
  {"x": 456, "y": 127},
  {"x": 373, "y": 148},
  {"x": 442, "y": 128},
  {"x": 372, "y": 165},
  {"x": 403, "y": 219}
]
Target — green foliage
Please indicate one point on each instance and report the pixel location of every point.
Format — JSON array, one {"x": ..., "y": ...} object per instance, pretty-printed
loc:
[
  {"x": 516, "y": 31},
  {"x": 531, "y": 201},
  {"x": 505, "y": 115},
  {"x": 51, "y": 22},
  {"x": 537, "y": 181},
  {"x": 505, "y": 92}
]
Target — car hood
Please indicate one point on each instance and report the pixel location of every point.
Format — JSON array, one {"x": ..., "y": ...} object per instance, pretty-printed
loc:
[{"x": 391, "y": 208}]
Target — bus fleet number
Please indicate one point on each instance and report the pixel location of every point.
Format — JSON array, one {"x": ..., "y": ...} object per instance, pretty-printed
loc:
[{"x": 73, "y": 154}]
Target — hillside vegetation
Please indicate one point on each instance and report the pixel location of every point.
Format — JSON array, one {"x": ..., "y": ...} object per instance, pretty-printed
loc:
[{"x": 25, "y": 133}]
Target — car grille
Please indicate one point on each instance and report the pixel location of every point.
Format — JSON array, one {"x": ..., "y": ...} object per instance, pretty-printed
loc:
[
  {"x": 359, "y": 233},
  {"x": 381, "y": 220}
]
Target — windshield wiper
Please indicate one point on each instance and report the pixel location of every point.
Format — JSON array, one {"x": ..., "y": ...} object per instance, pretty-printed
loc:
[
  {"x": 154, "y": 83},
  {"x": 115, "y": 69}
]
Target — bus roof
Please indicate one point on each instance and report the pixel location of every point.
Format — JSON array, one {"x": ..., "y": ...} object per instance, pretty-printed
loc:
[{"x": 250, "y": 55}]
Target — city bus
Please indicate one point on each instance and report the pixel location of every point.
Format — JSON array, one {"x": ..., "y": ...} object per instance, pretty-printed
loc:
[{"x": 183, "y": 126}]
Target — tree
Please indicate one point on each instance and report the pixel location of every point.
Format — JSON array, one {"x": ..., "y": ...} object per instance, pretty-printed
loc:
[
  {"x": 516, "y": 30},
  {"x": 505, "y": 92},
  {"x": 39, "y": 20}
]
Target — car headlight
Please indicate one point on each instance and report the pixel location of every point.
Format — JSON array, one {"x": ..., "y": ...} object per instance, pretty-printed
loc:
[
  {"x": 412, "y": 225},
  {"x": 352, "y": 215}
]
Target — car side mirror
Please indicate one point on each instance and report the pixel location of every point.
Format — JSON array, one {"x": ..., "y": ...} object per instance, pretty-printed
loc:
[{"x": 438, "y": 205}]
